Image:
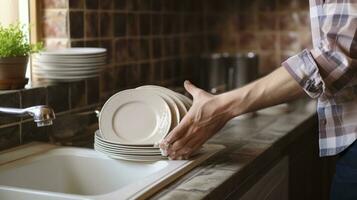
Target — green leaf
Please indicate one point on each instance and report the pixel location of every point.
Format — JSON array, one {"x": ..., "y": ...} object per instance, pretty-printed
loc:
[{"x": 13, "y": 42}]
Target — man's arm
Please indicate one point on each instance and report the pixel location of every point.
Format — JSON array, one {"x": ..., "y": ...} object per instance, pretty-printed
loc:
[
  {"x": 276, "y": 88},
  {"x": 209, "y": 113}
]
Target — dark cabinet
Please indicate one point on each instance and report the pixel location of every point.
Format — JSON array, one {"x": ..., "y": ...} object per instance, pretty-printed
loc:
[
  {"x": 299, "y": 174},
  {"x": 309, "y": 175}
]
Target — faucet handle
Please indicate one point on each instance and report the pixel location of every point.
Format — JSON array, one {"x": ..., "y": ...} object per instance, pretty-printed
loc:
[
  {"x": 97, "y": 113},
  {"x": 42, "y": 115}
]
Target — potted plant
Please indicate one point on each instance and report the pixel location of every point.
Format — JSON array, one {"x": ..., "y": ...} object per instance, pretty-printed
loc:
[{"x": 15, "y": 50}]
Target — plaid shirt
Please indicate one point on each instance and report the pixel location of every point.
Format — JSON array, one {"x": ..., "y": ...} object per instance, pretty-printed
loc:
[{"x": 328, "y": 72}]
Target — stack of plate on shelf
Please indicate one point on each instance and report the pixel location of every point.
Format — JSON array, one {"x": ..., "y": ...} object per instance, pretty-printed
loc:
[
  {"x": 70, "y": 64},
  {"x": 132, "y": 122}
]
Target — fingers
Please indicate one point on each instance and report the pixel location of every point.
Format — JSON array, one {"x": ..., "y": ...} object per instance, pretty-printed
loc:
[
  {"x": 178, "y": 132},
  {"x": 180, "y": 143},
  {"x": 192, "y": 89},
  {"x": 186, "y": 151}
]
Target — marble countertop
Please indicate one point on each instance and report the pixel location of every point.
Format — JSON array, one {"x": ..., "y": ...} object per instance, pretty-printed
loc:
[{"x": 251, "y": 145}]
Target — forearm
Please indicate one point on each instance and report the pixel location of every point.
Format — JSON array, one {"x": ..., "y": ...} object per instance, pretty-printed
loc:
[{"x": 275, "y": 88}]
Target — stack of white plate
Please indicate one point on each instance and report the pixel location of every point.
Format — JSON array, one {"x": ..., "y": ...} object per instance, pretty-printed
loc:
[
  {"x": 132, "y": 122},
  {"x": 68, "y": 64}
]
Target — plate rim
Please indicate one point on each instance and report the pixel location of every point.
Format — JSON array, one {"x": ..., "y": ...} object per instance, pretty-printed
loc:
[
  {"x": 133, "y": 158},
  {"x": 95, "y": 50},
  {"x": 179, "y": 103},
  {"x": 138, "y": 153},
  {"x": 188, "y": 102}
]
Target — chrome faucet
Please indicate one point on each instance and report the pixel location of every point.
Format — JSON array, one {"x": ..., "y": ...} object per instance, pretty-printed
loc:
[{"x": 42, "y": 115}]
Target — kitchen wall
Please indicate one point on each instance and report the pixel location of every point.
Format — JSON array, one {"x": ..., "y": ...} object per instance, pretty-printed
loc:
[
  {"x": 275, "y": 29},
  {"x": 148, "y": 42},
  {"x": 160, "y": 41}
]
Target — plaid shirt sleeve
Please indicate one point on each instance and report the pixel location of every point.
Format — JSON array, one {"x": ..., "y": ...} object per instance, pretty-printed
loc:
[{"x": 331, "y": 64}]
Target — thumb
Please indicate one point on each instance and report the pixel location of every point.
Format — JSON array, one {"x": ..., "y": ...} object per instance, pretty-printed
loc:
[{"x": 192, "y": 89}]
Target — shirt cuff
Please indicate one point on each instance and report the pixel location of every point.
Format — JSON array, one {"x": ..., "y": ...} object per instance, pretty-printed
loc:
[{"x": 303, "y": 68}]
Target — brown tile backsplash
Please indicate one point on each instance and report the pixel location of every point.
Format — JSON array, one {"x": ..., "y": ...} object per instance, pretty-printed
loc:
[
  {"x": 10, "y": 136},
  {"x": 30, "y": 132},
  {"x": 106, "y": 4},
  {"x": 133, "y": 50},
  {"x": 63, "y": 132},
  {"x": 133, "y": 24},
  {"x": 92, "y": 88},
  {"x": 77, "y": 93},
  {"x": 91, "y": 25},
  {"x": 145, "y": 24},
  {"x": 106, "y": 25},
  {"x": 33, "y": 97},
  {"x": 120, "y": 5},
  {"x": 289, "y": 21},
  {"x": 121, "y": 51},
  {"x": 9, "y": 99},
  {"x": 268, "y": 21},
  {"x": 271, "y": 28},
  {"x": 120, "y": 24},
  {"x": 58, "y": 97},
  {"x": 268, "y": 41},
  {"x": 78, "y": 22},
  {"x": 76, "y": 4},
  {"x": 92, "y": 4},
  {"x": 289, "y": 41},
  {"x": 156, "y": 23}
]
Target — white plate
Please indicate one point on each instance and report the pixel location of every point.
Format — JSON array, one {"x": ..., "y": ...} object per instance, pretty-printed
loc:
[
  {"x": 64, "y": 58},
  {"x": 175, "y": 113},
  {"x": 135, "y": 153},
  {"x": 135, "y": 117},
  {"x": 124, "y": 152},
  {"x": 98, "y": 135},
  {"x": 182, "y": 108},
  {"x": 64, "y": 73},
  {"x": 126, "y": 148},
  {"x": 69, "y": 65},
  {"x": 58, "y": 76},
  {"x": 66, "y": 68},
  {"x": 132, "y": 158},
  {"x": 42, "y": 81},
  {"x": 69, "y": 61},
  {"x": 63, "y": 78},
  {"x": 74, "y": 51},
  {"x": 69, "y": 57},
  {"x": 185, "y": 100}
]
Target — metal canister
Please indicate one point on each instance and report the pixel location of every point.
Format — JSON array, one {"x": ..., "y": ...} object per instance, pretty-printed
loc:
[
  {"x": 213, "y": 73},
  {"x": 242, "y": 68}
]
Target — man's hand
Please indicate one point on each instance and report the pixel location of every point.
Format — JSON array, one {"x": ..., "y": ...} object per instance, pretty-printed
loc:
[
  {"x": 205, "y": 118},
  {"x": 209, "y": 113}
]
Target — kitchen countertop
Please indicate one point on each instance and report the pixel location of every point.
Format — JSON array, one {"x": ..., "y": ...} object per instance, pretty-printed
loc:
[{"x": 252, "y": 145}]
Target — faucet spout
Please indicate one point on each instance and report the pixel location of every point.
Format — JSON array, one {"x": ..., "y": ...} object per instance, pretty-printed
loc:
[{"x": 42, "y": 115}]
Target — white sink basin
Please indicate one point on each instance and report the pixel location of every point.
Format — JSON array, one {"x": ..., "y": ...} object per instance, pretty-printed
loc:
[{"x": 42, "y": 171}]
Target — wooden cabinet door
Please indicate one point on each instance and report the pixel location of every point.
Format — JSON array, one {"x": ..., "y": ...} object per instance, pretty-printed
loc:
[{"x": 274, "y": 185}]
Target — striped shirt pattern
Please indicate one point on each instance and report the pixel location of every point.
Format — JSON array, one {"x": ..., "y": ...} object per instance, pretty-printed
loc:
[{"x": 328, "y": 72}]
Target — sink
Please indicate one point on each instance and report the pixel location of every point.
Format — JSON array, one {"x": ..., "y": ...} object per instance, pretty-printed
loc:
[
  {"x": 75, "y": 171},
  {"x": 43, "y": 171}
]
